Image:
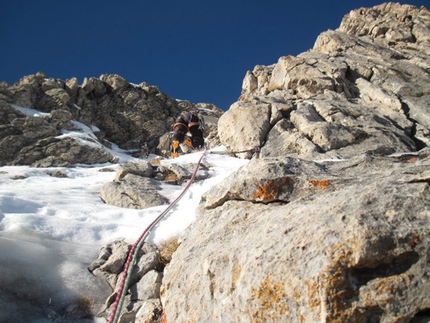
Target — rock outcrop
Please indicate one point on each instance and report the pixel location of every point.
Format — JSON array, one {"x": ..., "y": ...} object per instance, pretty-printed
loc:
[
  {"x": 133, "y": 117},
  {"x": 289, "y": 240},
  {"x": 331, "y": 223},
  {"x": 142, "y": 304},
  {"x": 362, "y": 88},
  {"x": 132, "y": 187}
]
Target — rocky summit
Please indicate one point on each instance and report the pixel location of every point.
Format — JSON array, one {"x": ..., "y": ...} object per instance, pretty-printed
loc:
[
  {"x": 362, "y": 88},
  {"x": 329, "y": 221}
]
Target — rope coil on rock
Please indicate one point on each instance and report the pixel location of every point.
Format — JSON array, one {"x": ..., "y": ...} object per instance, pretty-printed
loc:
[{"x": 132, "y": 254}]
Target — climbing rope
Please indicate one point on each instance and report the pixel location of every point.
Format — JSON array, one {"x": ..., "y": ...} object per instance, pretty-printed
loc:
[{"x": 132, "y": 254}]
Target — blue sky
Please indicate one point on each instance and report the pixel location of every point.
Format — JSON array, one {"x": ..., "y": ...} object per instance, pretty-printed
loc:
[{"x": 197, "y": 50}]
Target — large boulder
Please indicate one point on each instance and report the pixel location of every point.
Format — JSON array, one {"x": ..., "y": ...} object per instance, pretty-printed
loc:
[
  {"x": 289, "y": 240},
  {"x": 361, "y": 88},
  {"x": 133, "y": 192},
  {"x": 133, "y": 187},
  {"x": 249, "y": 121}
]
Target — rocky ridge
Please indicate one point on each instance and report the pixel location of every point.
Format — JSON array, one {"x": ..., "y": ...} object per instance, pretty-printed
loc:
[
  {"x": 361, "y": 88},
  {"x": 136, "y": 118}
]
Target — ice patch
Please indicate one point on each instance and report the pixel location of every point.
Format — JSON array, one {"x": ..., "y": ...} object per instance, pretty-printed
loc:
[{"x": 11, "y": 204}]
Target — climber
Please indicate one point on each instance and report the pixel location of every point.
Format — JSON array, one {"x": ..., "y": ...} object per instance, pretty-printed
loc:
[{"x": 187, "y": 125}]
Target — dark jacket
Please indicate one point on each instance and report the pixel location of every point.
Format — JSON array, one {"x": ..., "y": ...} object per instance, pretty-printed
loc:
[{"x": 188, "y": 122}]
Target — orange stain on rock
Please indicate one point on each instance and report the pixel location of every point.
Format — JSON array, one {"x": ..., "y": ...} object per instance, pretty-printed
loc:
[
  {"x": 320, "y": 184},
  {"x": 270, "y": 190},
  {"x": 266, "y": 191}
]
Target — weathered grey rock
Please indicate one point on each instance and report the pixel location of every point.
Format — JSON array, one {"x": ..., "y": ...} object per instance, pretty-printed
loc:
[
  {"x": 144, "y": 169},
  {"x": 249, "y": 121},
  {"x": 136, "y": 185},
  {"x": 115, "y": 81},
  {"x": 180, "y": 172},
  {"x": 59, "y": 95},
  {"x": 143, "y": 286},
  {"x": 334, "y": 225},
  {"x": 302, "y": 76},
  {"x": 149, "y": 312},
  {"x": 283, "y": 138},
  {"x": 389, "y": 22},
  {"x": 132, "y": 117},
  {"x": 63, "y": 118},
  {"x": 267, "y": 180},
  {"x": 178, "y": 175},
  {"x": 324, "y": 135},
  {"x": 148, "y": 287},
  {"x": 115, "y": 263},
  {"x": 110, "y": 261},
  {"x": 142, "y": 312},
  {"x": 132, "y": 191},
  {"x": 345, "y": 241},
  {"x": 107, "y": 251},
  {"x": 68, "y": 152},
  {"x": 128, "y": 313},
  {"x": 364, "y": 85},
  {"x": 147, "y": 262},
  {"x": 33, "y": 140}
]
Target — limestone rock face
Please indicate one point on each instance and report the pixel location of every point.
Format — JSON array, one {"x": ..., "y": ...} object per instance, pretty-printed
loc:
[
  {"x": 289, "y": 240},
  {"x": 362, "y": 88},
  {"x": 330, "y": 219}
]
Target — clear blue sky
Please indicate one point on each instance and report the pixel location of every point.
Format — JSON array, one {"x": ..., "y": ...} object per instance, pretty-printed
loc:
[{"x": 197, "y": 50}]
